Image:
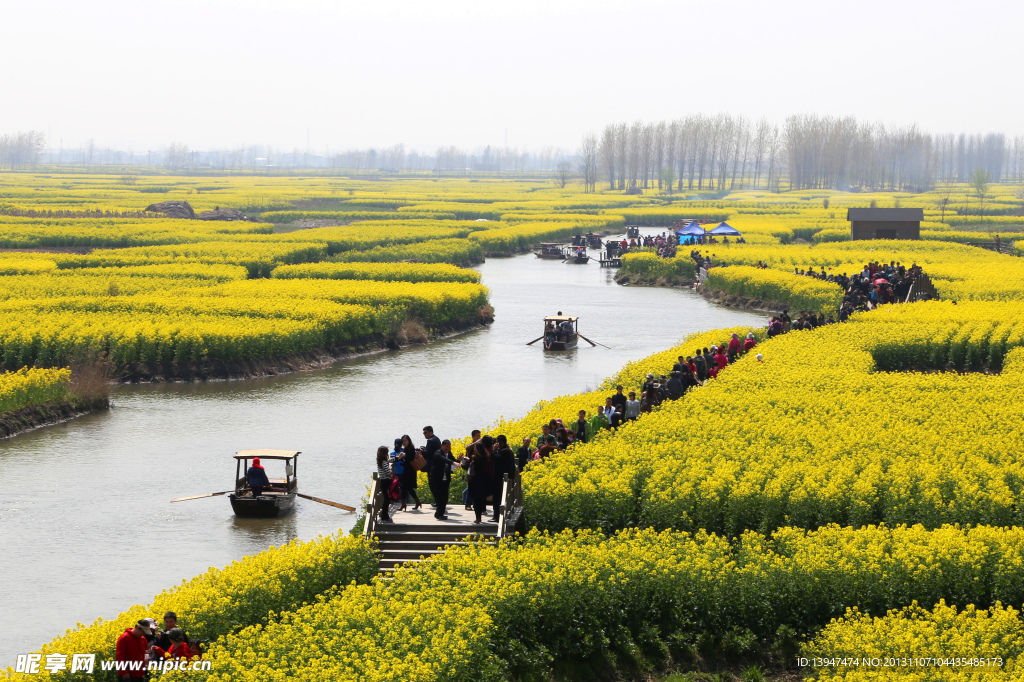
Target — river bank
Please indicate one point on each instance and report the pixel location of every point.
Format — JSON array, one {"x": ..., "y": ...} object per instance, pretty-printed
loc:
[
  {"x": 409, "y": 333},
  {"x": 34, "y": 417},
  {"x": 755, "y": 305}
]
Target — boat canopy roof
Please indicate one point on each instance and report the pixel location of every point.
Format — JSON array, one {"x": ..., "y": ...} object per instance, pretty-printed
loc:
[
  {"x": 560, "y": 318},
  {"x": 267, "y": 454},
  {"x": 550, "y": 244}
]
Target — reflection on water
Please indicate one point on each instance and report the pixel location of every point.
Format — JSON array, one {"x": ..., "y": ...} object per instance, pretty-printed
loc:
[
  {"x": 86, "y": 517},
  {"x": 247, "y": 533}
]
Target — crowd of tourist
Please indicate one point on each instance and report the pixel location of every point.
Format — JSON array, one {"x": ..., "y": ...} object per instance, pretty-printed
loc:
[
  {"x": 488, "y": 459},
  {"x": 145, "y": 642},
  {"x": 876, "y": 284}
]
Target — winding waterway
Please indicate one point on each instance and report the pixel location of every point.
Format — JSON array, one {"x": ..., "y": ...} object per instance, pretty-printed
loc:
[{"x": 86, "y": 522}]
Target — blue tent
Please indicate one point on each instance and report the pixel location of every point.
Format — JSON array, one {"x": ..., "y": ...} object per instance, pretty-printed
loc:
[
  {"x": 725, "y": 230},
  {"x": 692, "y": 229}
]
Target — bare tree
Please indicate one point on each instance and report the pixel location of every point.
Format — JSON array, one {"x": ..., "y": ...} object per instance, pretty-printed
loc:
[
  {"x": 979, "y": 183},
  {"x": 588, "y": 161},
  {"x": 563, "y": 173},
  {"x": 178, "y": 156},
  {"x": 21, "y": 150},
  {"x": 944, "y": 200},
  {"x": 609, "y": 152}
]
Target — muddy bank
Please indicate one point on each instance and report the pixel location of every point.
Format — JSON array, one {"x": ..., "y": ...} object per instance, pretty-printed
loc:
[
  {"x": 410, "y": 334},
  {"x": 744, "y": 303},
  {"x": 29, "y": 418},
  {"x": 672, "y": 281}
]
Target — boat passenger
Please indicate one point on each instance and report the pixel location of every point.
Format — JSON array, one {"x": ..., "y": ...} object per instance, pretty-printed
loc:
[{"x": 256, "y": 477}]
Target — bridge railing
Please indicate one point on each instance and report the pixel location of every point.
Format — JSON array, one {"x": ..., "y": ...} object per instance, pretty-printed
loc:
[
  {"x": 378, "y": 497},
  {"x": 511, "y": 509}
]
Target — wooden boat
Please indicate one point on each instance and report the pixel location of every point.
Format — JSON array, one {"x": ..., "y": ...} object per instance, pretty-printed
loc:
[
  {"x": 577, "y": 255},
  {"x": 553, "y": 342},
  {"x": 279, "y": 498},
  {"x": 550, "y": 251},
  {"x": 632, "y": 231}
]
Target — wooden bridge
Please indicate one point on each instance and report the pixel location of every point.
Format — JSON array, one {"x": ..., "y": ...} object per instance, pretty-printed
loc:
[
  {"x": 417, "y": 535},
  {"x": 922, "y": 290}
]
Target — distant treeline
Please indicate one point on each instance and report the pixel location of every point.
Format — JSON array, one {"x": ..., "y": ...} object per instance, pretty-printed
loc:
[{"x": 725, "y": 152}]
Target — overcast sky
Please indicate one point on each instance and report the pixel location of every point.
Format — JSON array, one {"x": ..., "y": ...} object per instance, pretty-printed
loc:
[{"x": 220, "y": 73}]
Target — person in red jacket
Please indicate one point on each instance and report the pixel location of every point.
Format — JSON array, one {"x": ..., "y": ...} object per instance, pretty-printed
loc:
[
  {"x": 179, "y": 647},
  {"x": 735, "y": 346},
  {"x": 749, "y": 343},
  {"x": 721, "y": 359},
  {"x": 132, "y": 647}
]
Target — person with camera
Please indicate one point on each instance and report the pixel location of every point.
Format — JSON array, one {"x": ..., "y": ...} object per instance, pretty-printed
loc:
[{"x": 163, "y": 639}]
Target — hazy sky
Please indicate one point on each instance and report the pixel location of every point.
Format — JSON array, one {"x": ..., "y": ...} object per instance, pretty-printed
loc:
[{"x": 220, "y": 73}]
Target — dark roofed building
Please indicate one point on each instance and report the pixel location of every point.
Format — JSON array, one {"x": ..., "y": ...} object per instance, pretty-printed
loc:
[{"x": 885, "y": 223}]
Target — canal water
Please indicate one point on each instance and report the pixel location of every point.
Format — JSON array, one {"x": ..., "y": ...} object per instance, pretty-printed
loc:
[{"x": 86, "y": 522}]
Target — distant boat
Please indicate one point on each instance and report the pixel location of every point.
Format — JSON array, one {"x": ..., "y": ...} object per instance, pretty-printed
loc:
[
  {"x": 278, "y": 499},
  {"x": 554, "y": 341},
  {"x": 550, "y": 251},
  {"x": 576, "y": 255}
]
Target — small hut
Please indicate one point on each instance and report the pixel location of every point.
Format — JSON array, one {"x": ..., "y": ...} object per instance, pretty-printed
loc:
[{"x": 885, "y": 223}]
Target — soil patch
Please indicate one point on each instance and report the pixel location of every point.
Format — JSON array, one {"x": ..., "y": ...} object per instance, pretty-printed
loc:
[
  {"x": 743, "y": 302},
  {"x": 641, "y": 281},
  {"x": 29, "y": 418}
]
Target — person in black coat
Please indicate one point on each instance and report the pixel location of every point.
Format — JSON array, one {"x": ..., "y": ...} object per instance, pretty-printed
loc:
[
  {"x": 439, "y": 476},
  {"x": 480, "y": 468},
  {"x": 523, "y": 454},
  {"x": 408, "y": 477},
  {"x": 504, "y": 463},
  {"x": 256, "y": 477},
  {"x": 432, "y": 446}
]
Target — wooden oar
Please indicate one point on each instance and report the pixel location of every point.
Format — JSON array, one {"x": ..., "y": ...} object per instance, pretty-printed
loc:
[
  {"x": 327, "y": 502},
  {"x": 535, "y": 340},
  {"x": 196, "y": 497},
  {"x": 591, "y": 342}
]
